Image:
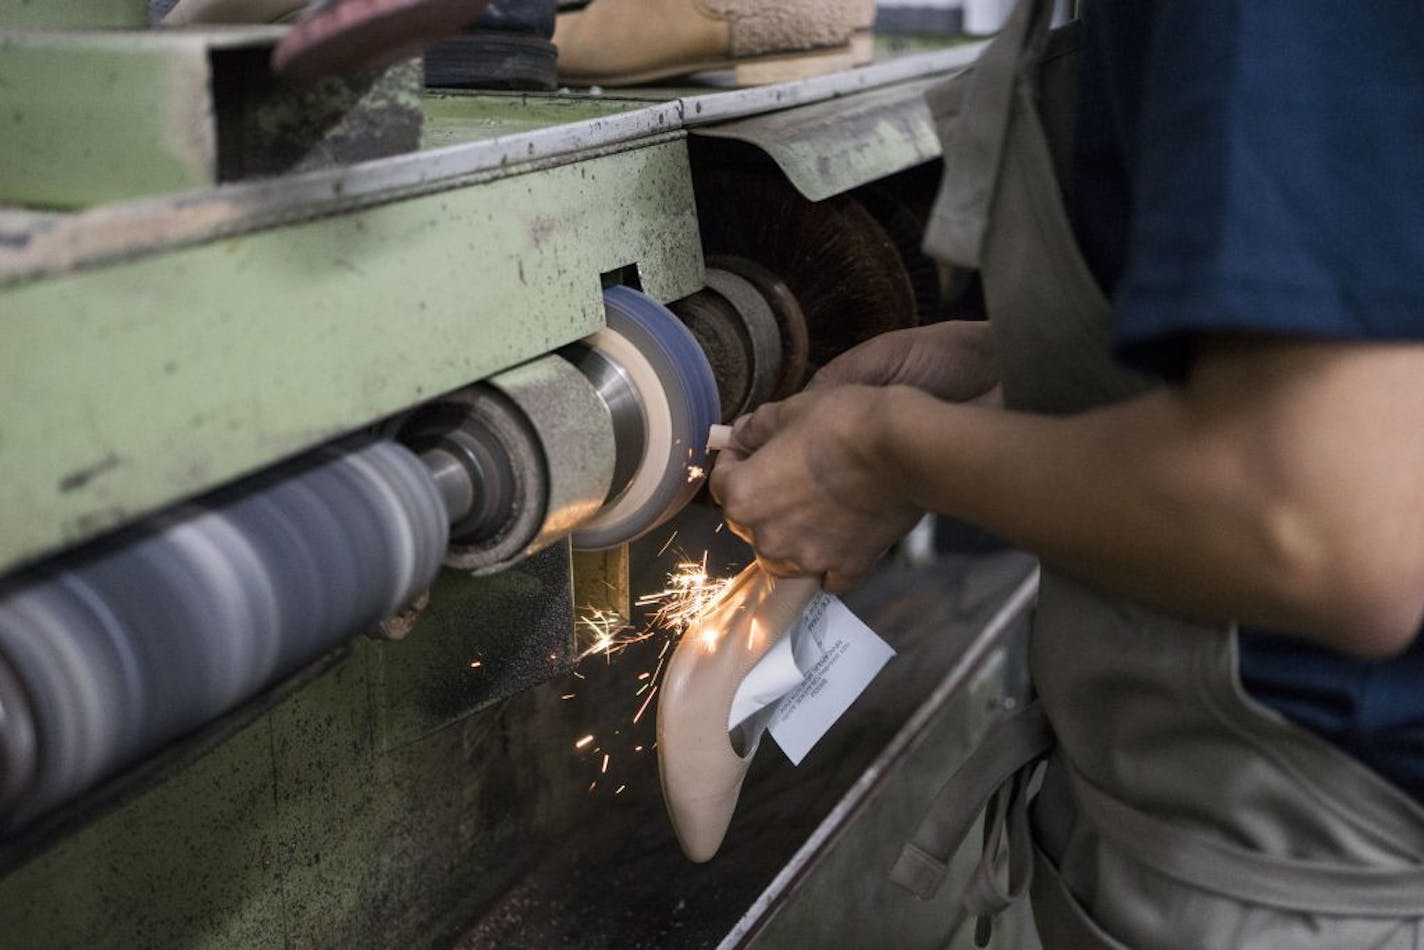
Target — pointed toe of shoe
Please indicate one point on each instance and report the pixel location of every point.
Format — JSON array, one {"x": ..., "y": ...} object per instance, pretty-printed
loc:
[{"x": 701, "y": 772}]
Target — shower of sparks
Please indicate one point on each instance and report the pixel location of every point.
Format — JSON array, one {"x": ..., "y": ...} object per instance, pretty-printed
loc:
[
  {"x": 689, "y": 597},
  {"x": 608, "y": 632}
]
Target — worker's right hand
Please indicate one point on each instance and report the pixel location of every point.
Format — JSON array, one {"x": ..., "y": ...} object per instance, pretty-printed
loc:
[{"x": 953, "y": 361}]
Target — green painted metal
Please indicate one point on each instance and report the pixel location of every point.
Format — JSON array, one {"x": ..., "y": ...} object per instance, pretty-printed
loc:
[
  {"x": 92, "y": 117},
  {"x": 831, "y": 147},
  {"x": 476, "y": 643},
  {"x": 73, "y": 14},
  {"x": 453, "y": 118},
  {"x": 155, "y": 379}
]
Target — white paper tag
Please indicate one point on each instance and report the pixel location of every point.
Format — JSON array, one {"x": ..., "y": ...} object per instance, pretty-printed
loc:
[{"x": 837, "y": 656}]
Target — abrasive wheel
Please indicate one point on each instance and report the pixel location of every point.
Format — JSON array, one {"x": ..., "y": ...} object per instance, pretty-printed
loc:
[
  {"x": 111, "y": 652},
  {"x": 906, "y": 231},
  {"x": 834, "y": 256},
  {"x": 790, "y": 319},
  {"x": 660, "y": 424},
  {"x": 737, "y": 330}
]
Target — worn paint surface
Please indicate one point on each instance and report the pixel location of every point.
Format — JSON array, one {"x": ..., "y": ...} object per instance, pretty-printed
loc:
[
  {"x": 453, "y": 118},
  {"x": 155, "y": 379},
  {"x": 92, "y": 117},
  {"x": 73, "y": 14},
  {"x": 829, "y": 148}
]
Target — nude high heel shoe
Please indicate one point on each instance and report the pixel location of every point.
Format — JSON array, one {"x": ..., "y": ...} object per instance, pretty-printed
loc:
[{"x": 701, "y": 770}]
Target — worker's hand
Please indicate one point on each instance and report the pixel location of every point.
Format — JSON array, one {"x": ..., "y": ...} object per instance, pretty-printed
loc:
[
  {"x": 953, "y": 361},
  {"x": 805, "y": 483}
]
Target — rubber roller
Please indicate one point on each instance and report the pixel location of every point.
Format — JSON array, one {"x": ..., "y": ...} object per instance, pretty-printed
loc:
[{"x": 111, "y": 652}]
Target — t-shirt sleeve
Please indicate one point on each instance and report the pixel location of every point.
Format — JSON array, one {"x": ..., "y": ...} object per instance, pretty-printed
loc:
[{"x": 1278, "y": 181}]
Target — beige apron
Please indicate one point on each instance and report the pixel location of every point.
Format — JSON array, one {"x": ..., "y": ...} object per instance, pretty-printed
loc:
[{"x": 1175, "y": 811}]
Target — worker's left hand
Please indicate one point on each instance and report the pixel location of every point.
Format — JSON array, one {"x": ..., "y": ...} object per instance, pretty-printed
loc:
[{"x": 806, "y": 483}]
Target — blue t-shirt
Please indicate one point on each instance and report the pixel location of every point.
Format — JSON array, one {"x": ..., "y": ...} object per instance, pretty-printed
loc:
[{"x": 1257, "y": 166}]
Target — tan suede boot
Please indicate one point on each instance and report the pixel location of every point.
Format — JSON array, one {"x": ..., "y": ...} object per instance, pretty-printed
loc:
[{"x": 621, "y": 42}]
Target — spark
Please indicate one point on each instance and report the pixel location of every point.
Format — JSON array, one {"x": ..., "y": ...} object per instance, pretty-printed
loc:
[
  {"x": 604, "y": 770},
  {"x": 580, "y": 675},
  {"x": 720, "y": 526},
  {"x": 644, "y": 675},
  {"x": 567, "y": 696},
  {"x": 475, "y": 664},
  {"x": 610, "y": 632},
  {"x": 690, "y": 595},
  {"x": 644, "y": 708},
  {"x": 592, "y": 785},
  {"x": 671, "y": 538},
  {"x": 694, "y": 472},
  {"x": 620, "y": 790},
  {"x": 637, "y": 748},
  {"x": 583, "y": 742}
]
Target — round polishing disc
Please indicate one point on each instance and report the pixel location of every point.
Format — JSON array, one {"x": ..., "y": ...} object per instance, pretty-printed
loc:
[{"x": 678, "y": 392}]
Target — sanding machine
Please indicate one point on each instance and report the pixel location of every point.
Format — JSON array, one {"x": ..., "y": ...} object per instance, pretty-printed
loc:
[{"x": 109, "y": 652}]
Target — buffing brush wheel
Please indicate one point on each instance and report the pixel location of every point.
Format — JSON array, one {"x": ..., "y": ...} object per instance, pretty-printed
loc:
[
  {"x": 906, "y": 231},
  {"x": 678, "y": 404},
  {"x": 842, "y": 268}
]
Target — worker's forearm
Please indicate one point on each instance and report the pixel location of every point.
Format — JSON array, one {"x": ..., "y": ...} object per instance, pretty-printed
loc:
[{"x": 1136, "y": 499}]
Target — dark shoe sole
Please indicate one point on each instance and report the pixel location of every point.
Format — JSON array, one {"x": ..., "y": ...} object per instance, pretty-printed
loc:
[{"x": 488, "y": 59}]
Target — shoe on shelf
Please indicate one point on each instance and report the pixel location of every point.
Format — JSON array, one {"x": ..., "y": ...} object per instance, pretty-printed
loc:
[
  {"x": 624, "y": 42},
  {"x": 700, "y": 767},
  {"x": 507, "y": 48}
]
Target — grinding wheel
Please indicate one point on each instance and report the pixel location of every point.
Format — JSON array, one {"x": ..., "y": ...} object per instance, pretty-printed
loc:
[
  {"x": 790, "y": 320},
  {"x": 734, "y": 324},
  {"x": 347, "y": 36},
  {"x": 677, "y": 396},
  {"x": 715, "y": 324},
  {"x": 842, "y": 268},
  {"x": 113, "y": 650}
]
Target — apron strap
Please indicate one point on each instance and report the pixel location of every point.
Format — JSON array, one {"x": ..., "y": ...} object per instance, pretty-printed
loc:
[
  {"x": 994, "y": 775},
  {"x": 1291, "y": 884},
  {"x": 979, "y": 104}
]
